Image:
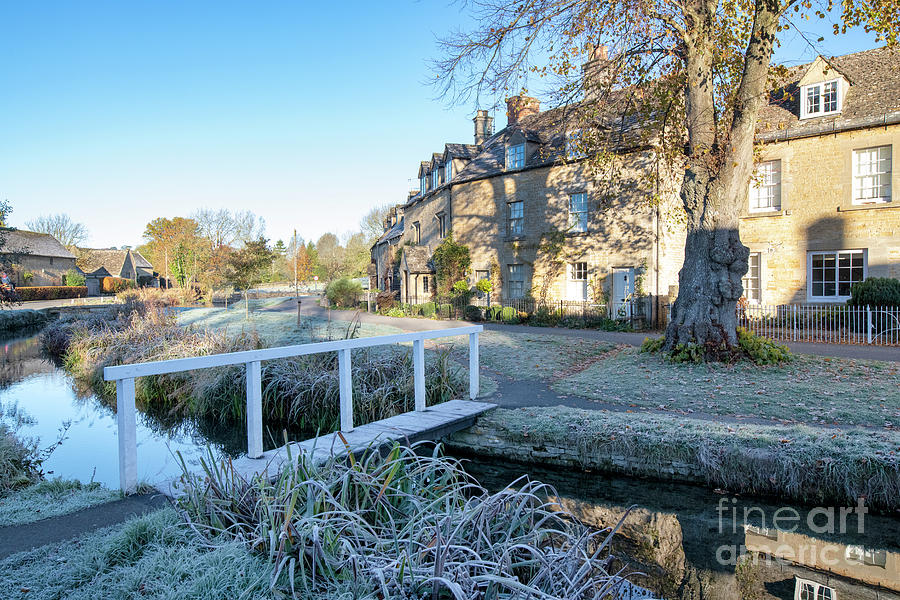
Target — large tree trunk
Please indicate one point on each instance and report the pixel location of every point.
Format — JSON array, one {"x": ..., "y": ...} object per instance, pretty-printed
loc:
[
  {"x": 709, "y": 283},
  {"x": 715, "y": 186}
]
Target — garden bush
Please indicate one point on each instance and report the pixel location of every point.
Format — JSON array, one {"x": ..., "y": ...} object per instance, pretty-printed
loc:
[
  {"x": 493, "y": 312},
  {"x": 50, "y": 292},
  {"x": 429, "y": 309},
  {"x": 508, "y": 314},
  {"x": 875, "y": 291},
  {"x": 114, "y": 285},
  {"x": 445, "y": 311},
  {"x": 395, "y": 312},
  {"x": 545, "y": 316},
  {"x": 344, "y": 292},
  {"x": 762, "y": 350},
  {"x": 472, "y": 313},
  {"x": 385, "y": 300},
  {"x": 73, "y": 278}
]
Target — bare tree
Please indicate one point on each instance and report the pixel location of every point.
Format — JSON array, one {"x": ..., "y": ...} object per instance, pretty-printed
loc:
[
  {"x": 693, "y": 74},
  {"x": 372, "y": 224},
  {"x": 61, "y": 226},
  {"x": 223, "y": 227}
]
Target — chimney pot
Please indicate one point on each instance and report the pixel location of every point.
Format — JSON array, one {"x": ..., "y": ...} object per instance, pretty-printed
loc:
[{"x": 519, "y": 107}]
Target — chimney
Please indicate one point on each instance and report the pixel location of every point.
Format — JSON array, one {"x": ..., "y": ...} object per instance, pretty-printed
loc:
[
  {"x": 519, "y": 107},
  {"x": 598, "y": 73},
  {"x": 484, "y": 126}
]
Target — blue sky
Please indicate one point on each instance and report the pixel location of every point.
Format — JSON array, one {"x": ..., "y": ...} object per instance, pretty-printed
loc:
[{"x": 307, "y": 114}]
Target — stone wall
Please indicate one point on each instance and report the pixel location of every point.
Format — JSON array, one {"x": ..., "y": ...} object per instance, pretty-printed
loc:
[
  {"x": 486, "y": 440},
  {"x": 817, "y": 213}
]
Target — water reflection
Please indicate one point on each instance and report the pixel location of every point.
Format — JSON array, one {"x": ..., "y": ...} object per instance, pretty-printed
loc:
[
  {"x": 691, "y": 543},
  {"x": 89, "y": 452}
]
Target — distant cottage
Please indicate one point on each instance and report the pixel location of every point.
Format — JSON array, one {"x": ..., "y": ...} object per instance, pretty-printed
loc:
[
  {"x": 32, "y": 258},
  {"x": 127, "y": 264}
]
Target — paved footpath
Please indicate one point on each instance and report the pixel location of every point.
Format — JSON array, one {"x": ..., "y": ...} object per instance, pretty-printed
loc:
[
  {"x": 19, "y": 538},
  {"x": 310, "y": 307}
]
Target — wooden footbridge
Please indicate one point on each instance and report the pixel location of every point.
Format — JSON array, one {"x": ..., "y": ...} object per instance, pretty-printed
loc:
[{"x": 420, "y": 424}]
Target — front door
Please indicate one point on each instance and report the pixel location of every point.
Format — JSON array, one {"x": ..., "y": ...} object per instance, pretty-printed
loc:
[{"x": 622, "y": 290}]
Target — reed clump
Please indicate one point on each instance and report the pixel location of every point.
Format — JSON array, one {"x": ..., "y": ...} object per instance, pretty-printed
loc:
[
  {"x": 301, "y": 392},
  {"x": 410, "y": 524}
]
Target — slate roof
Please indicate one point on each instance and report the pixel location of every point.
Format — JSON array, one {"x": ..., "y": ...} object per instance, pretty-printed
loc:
[
  {"x": 874, "y": 94},
  {"x": 19, "y": 241},
  {"x": 91, "y": 261},
  {"x": 463, "y": 151},
  {"x": 140, "y": 261},
  {"x": 392, "y": 233},
  {"x": 417, "y": 259}
]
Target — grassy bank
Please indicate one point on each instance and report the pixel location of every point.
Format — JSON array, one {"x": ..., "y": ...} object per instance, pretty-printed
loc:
[
  {"x": 300, "y": 393},
  {"x": 796, "y": 462},
  {"x": 14, "y": 320},
  {"x": 51, "y": 498},
  {"x": 410, "y": 524}
]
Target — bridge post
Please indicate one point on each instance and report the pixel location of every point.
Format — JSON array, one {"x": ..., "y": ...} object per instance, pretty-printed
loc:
[
  {"x": 473, "y": 365},
  {"x": 419, "y": 373},
  {"x": 345, "y": 375},
  {"x": 254, "y": 410},
  {"x": 125, "y": 417}
]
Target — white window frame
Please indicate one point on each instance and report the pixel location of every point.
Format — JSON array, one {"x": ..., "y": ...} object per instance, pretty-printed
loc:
[
  {"x": 436, "y": 178},
  {"x": 578, "y": 278},
  {"x": 766, "y": 187},
  {"x": 578, "y": 219},
  {"x": 448, "y": 171},
  {"x": 805, "y": 113},
  {"x": 813, "y": 590},
  {"x": 515, "y": 225},
  {"x": 861, "y": 179},
  {"x": 417, "y": 232},
  {"x": 516, "y": 289},
  {"x": 749, "y": 278},
  {"x": 442, "y": 224},
  {"x": 423, "y": 184},
  {"x": 515, "y": 156},
  {"x": 837, "y": 256}
]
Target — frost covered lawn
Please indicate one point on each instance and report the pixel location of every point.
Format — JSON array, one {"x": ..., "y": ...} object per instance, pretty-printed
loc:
[
  {"x": 534, "y": 356},
  {"x": 277, "y": 328},
  {"x": 810, "y": 389},
  {"x": 51, "y": 499}
]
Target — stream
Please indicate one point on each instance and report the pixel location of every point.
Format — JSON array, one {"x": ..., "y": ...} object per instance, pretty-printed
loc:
[{"x": 677, "y": 541}]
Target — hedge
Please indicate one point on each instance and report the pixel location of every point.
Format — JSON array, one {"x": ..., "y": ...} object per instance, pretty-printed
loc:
[
  {"x": 114, "y": 285},
  {"x": 50, "y": 292}
]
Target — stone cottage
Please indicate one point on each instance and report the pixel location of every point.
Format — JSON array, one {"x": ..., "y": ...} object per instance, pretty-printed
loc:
[{"x": 34, "y": 259}]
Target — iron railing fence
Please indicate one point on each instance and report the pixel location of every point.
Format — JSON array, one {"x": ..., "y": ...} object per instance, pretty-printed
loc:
[{"x": 822, "y": 323}]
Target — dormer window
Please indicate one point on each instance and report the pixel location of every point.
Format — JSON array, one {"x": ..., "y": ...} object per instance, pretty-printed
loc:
[
  {"x": 448, "y": 171},
  {"x": 820, "y": 99},
  {"x": 515, "y": 156},
  {"x": 423, "y": 184},
  {"x": 435, "y": 178}
]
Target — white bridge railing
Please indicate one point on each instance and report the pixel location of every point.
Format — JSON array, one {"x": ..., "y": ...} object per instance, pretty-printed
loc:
[{"x": 124, "y": 376}]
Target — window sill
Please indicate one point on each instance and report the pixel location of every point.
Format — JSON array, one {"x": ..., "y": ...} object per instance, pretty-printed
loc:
[
  {"x": 829, "y": 300},
  {"x": 765, "y": 213},
  {"x": 867, "y": 206},
  {"x": 514, "y": 238}
]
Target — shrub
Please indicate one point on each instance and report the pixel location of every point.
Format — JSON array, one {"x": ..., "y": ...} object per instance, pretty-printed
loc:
[
  {"x": 472, "y": 313},
  {"x": 687, "y": 353},
  {"x": 875, "y": 291},
  {"x": 429, "y": 309},
  {"x": 493, "y": 312},
  {"x": 395, "y": 312},
  {"x": 544, "y": 316},
  {"x": 652, "y": 344},
  {"x": 484, "y": 286},
  {"x": 445, "y": 311},
  {"x": 50, "y": 292},
  {"x": 344, "y": 292},
  {"x": 762, "y": 350},
  {"x": 74, "y": 278},
  {"x": 508, "y": 314},
  {"x": 114, "y": 285}
]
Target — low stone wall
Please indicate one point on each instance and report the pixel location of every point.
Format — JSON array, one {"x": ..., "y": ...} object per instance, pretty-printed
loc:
[
  {"x": 797, "y": 462},
  {"x": 486, "y": 439}
]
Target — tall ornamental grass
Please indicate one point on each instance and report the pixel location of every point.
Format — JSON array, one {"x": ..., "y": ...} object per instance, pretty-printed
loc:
[
  {"x": 299, "y": 392},
  {"x": 406, "y": 525}
]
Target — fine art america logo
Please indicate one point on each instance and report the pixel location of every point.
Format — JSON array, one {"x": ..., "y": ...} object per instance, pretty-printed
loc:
[{"x": 785, "y": 534}]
